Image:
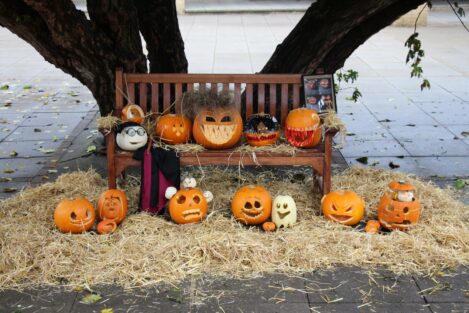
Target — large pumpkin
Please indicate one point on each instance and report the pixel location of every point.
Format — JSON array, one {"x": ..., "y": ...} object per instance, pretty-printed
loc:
[
  {"x": 302, "y": 128},
  {"x": 132, "y": 113},
  {"x": 219, "y": 128},
  {"x": 112, "y": 205},
  {"x": 174, "y": 128},
  {"x": 399, "y": 208},
  {"x": 188, "y": 205},
  {"x": 261, "y": 130},
  {"x": 74, "y": 216},
  {"x": 343, "y": 206},
  {"x": 251, "y": 205}
]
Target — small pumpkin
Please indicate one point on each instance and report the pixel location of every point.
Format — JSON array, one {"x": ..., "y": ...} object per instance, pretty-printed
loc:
[
  {"x": 251, "y": 205},
  {"x": 343, "y": 206},
  {"x": 219, "y": 128},
  {"x": 372, "y": 227},
  {"x": 261, "y": 130},
  {"x": 74, "y": 216},
  {"x": 132, "y": 113},
  {"x": 269, "y": 226},
  {"x": 174, "y": 128},
  {"x": 302, "y": 128},
  {"x": 112, "y": 205},
  {"x": 188, "y": 205},
  {"x": 399, "y": 207},
  {"x": 106, "y": 227}
]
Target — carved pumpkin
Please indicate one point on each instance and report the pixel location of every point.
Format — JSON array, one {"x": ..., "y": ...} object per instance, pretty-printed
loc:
[
  {"x": 188, "y": 205},
  {"x": 106, "y": 227},
  {"x": 343, "y": 206},
  {"x": 112, "y": 205},
  {"x": 268, "y": 226},
  {"x": 220, "y": 128},
  {"x": 372, "y": 227},
  {"x": 399, "y": 208},
  {"x": 174, "y": 128},
  {"x": 284, "y": 211},
  {"x": 74, "y": 216},
  {"x": 251, "y": 205},
  {"x": 302, "y": 128},
  {"x": 132, "y": 113},
  {"x": 261, "y": 130}
]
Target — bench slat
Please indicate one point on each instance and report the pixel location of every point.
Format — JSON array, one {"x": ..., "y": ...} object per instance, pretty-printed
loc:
[
  {"x": 261, "y": 98},
  {"x": 219, "y": 78},
  {"x": 166, "y": 98},
  {"x": 131, "y": 90},
  {"x": 296, "y": 96},
  {"x": 202, "y": 87},
  {"x": 178, "y": 90},
  {"x": 143, "y": 96},
  {"x": 284, "y": 103},
  {"x": 248, "y": 100},
  {"x": 273, "y": 100},
  {"x": 237, "y": 96},
  {"x": 155, "y": 93},
  {"x": 190, "y": 87},
  {"x": 226, "y": 87},
  {"x": 119, "y": 93}
]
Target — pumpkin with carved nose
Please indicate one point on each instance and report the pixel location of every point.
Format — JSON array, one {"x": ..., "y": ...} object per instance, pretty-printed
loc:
[
  {"x": 112, "y": 205},
  {"x": 343, "y": 206},
  {"x": 174, "y": 129},
  {"x": 74, "y": 216},
  {"x": 251, "y": 205}
]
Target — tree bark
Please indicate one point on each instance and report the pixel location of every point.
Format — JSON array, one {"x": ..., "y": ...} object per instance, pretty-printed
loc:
[{"x": 330, "y": 31}]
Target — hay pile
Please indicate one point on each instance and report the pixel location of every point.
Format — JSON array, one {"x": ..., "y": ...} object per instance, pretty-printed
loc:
[{"x": 147, "y": 250}]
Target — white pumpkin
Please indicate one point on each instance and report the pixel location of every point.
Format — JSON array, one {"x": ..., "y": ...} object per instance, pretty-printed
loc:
[
  {"x": 131, "y": 137},
  {"x": 284, "y": 211}
]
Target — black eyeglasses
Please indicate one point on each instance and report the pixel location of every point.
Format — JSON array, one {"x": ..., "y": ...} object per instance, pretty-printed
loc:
[{"x": 132, "y": 131}]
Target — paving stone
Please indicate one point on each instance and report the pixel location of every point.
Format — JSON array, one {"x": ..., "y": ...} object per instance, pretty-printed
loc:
[
  {"x": 372, "y": 308},
  {"x": 452, "y": 287},
  {"x": 359, "y": 148},
  {"x": 42, "y": 133},
  {"x": 254, "y": 307},
  {"x": 443, "y": 166},
  {"x": 49, "y": 119},
  {"x": 26, "y": 149},
  {"x": 439, "y": 147},
  {"x": 51, "y": 299},
  {"x": 11, "y": 188},
  {"x": 406, "y": 164},
  {"x": 420, "y": 132},
  {"x": 21, "y": 167},
  {"x": 449, "y": 307}
]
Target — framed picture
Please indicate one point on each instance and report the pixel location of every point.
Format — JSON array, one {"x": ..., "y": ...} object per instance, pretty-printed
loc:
[{"x": 319, "y": 92}]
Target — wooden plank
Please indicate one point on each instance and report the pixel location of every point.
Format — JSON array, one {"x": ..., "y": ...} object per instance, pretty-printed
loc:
[
  {"x": 261, "y": 98},
  {"x": 273, "y": 99},
  {"x": 284, "y": 103},
  {"x": 166, "y": 97},
  {"x": 296, "y": 96},
  {"x": 131, "y": 95},
  {"x": 119, "y": 93},
  {"x": 155, "y": 100},
  {"x": 219, "y": 78},
  {"x": 226, "y": 87},
  {"x": 214, "y": 88},
  {"x": 246, "y": 159},
  {"x": 249, "y": 90},
  {"x": 237, "y": 96},
  {"x": 190, "y": 87},
  {"x": 143, "y": 96},
  {"x": 178, "y": 90}
]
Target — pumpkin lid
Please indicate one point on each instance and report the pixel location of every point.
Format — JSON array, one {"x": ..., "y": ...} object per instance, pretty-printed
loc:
[{"x": 401, "y": 185}]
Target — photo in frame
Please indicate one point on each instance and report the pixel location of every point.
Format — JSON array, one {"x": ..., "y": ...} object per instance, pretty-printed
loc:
[{"x": 319, "y": 93}]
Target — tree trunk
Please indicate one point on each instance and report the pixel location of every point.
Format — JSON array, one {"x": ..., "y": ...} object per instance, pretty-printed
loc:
[{"x": 330, "y": 31}]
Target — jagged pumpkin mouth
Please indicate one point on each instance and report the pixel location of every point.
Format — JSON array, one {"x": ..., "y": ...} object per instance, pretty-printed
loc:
[
  {"x": 218, "y": 134},
  {"x": 261, "y": 137},
  {"x": 191, "y": 214},
  {"x": 300, "y": 136},
  {"x": 341, "y": 218}
]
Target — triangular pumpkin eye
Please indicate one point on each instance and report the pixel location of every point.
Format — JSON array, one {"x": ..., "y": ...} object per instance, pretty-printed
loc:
[
  {"x": 334, "y": 208},
  {"x": 349, "y": 210}
]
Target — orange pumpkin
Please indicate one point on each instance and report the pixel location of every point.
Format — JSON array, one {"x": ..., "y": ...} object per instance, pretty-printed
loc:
[
  {"x": 188, "y": 205},
  {"x": 112, "y": 205},
  {"x": 343, "y": 206},
  {"x": 174, "y": 128},
  {"x": 302, "y": 128},
  {"x": 74, "y": 216},
  {"x": 106, "y": 227},
  {"x": 399, "y": 208},
  {"x": 220, "y": 128},
  {"x": 268, "y": 226},
  {"x": 261, "y": 130},
  {"x": 372, "y": 227},
  {"x": 132, "y": 113},
  {"x": 251, "y": 205}
]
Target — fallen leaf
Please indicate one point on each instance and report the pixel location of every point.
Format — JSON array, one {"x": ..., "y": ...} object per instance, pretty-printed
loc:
[
  {"x": 9, "y": 190},
  {"x": 37, "y": 130},
  {"x": 107, "y": 310},
  {"x": 72, "y": 94},
  {"x": 459, "y": 184},
  {"x": 91, "y": 148},
  {"x": 465, "y": 134},
  {"x": 362, "y": 160},
  {"x": 55, "y": 138},
  {"x": 45, "y": 177},
  {"x": 393, "y": 165},
  {"x": 8, "y": 171},
  {"x": 13, "y": 153},
  {"x": 8, "y": 103},
  {"x": 27, "y": 87},
  {"x": 91, "y": 298},
  {"x": 52, "y": 171},
  {"x": 411, "y": 125},
  {"x": 5, "y": 179},
  {"x": 386, "y": 120},
  {"x": 400, "y": 156},
  {"x": 4, "y": 87},
  {"x": 46, "y": 151},
  {"x": 351, "y": 134}
]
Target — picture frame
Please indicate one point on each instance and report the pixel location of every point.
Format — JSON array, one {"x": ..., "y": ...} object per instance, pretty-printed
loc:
[{"x": 319, "y": 93}]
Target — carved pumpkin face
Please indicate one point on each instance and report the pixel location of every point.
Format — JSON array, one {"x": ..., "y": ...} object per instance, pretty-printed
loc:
[
  {"x": 302, "y": 128},
  {"x": 284, "y": 211},
  {"x": 112, "y": 205},
  {"x": 106, "y": 227},
  {"x": 251, "y": 205},
  {"x": 372, "y": 227},
  {"x": 261, "y": 130},
  {"x": 188, "y": 205},
  {"x": 399, "y": 208},
  {"x": 74, "y": 216},
  {"x": 343, "y": 206},
  {"x": 132, "y": 113},
  {"x": 218, "y": 129},
  {"x": 130, "y": 136},
  {"x": 174, "y": 129}
]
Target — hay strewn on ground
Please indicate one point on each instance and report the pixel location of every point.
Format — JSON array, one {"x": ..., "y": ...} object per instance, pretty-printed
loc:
[{"x": 147, "y": 250}]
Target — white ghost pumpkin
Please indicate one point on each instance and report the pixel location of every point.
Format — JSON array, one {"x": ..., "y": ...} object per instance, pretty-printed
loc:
[{"x": 284, "y": 211}]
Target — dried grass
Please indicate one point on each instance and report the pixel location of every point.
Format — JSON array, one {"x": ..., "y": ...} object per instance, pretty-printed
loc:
[
  {"x": 148, "y": 250},
  {"x": 107, "y": 123},
  {"x": 332, "y": 121}
]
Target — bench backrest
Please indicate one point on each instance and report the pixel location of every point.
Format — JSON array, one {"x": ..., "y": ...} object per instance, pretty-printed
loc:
[{"x": 276, "y": 94}]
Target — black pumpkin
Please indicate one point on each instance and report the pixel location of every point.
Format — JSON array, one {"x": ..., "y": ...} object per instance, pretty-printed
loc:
[{"x": 261, "y": 129}]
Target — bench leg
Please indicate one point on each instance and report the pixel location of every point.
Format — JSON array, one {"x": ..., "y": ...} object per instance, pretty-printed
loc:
[
  {"x": 326, "y": 174},
  {"x": 111, "y": 164}
]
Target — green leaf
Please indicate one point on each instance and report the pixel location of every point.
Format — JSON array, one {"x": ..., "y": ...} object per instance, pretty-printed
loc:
[
  {"x": 91, "y": 298},
  {"x": 4, "y": 87},
  {"x": 425, "y": 84},
  {"x": 362, "y": 160},
  {"x": 46, "y": 151},
  {"x": 465, "y": 134},
  {"x": 72, "y": 94},
  {"x": 27, "y": 87},
  {"x": 91, "y": 149},
  {"x": 55, "y": 138},
  {"x": 13, "y": 153},
  {"x": 9, "y": 190},
  {"x": 459, "y": 184},
  {"x": 8, "y": 171},
  {"x": 107, "y": 310},
  {"x": 5, "y": 179}
]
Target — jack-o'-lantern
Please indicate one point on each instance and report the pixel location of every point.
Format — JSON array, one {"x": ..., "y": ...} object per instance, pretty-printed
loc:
[
  {"x": 261, "y": 130},
  {"x": 251, "y": 205},
  {"x": 132, "y": 113},
  {"x": 302, "y": 128},
  {"x": 372, "y": 227},
  {"x": 112, "y": 205},
  {"x": 74, "y": 216},
  {"x": 268, "y": 226},
  {"x": 188, "y": 205},
  {"x": 220, "y": 128},
  {"x": 174, "y": 129},
  {"x": 106, "y": 227},
  {"x": 399, "y": 208},
  {"x": 284, "y": 211},
  {"x": 343, "y": 206}
]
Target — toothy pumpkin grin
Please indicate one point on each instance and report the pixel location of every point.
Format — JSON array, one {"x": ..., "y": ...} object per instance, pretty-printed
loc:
[
  {"x": 191, "y": 214},
  {"x": 218, "y": 134},
  {"x": 341, "y": 218}
]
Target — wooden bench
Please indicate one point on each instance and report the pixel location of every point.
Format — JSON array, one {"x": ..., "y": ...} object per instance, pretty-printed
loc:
[{"x": 276, "y": 94}]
